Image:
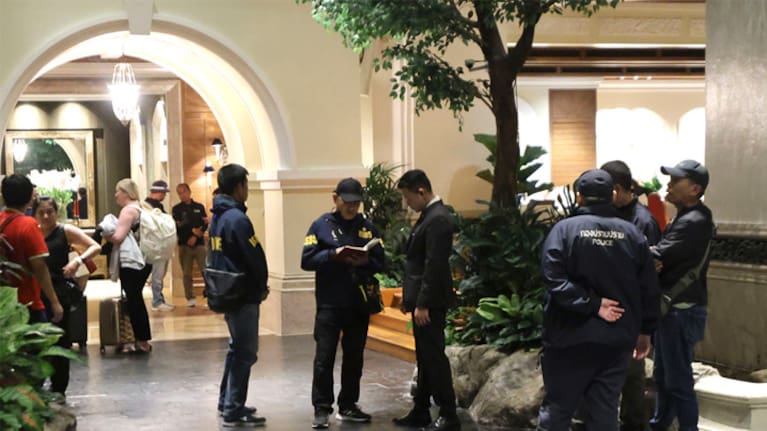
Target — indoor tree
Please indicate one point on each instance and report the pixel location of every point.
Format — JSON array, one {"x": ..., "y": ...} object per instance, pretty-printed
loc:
[{"x": 421, "y": 32}]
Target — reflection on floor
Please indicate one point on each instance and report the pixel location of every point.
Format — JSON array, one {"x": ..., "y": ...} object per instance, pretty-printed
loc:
[
  {"x": 183, "y": 323},
  {"x": 176, "y": 386}
]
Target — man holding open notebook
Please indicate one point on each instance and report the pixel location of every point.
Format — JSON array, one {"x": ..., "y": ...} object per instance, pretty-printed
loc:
[{"x": 342, "y": 247}]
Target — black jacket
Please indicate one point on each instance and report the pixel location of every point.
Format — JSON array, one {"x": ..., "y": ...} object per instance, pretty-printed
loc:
[
  {"x": 336, "y": 283},
  {"x": 189, "y": 216},
  {"x": 234, "y": 246},
  {"x": 682, "y": 248},
  {"x": 428, "y": 281},
  {"x": 642, "y": 218},
  {"x": 591, "y": 256}
]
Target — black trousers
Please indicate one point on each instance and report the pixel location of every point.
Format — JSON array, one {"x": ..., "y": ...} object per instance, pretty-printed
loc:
[
  {"x": 350, "y": 325},
  {"x": 633, "y": 409},
  {"x": 132, "y": 282},
  {"x": 60, "y": 376},
  {"x": 592, "y": 373},
  {"x": 434, "y": 376}
]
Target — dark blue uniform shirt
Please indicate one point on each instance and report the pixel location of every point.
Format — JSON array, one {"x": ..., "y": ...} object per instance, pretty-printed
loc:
[{"x": 590, "y": 256}]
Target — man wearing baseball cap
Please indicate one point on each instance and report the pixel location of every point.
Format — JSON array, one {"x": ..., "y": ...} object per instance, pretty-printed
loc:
[
  {"x": 339, "y": 291},
  {"x": 682, "y": 255},
  {"x": 601, "y": 306},
  {"x": 157, "y": 194}
]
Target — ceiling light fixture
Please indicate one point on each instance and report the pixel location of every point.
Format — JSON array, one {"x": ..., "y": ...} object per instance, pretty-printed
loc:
[{"x": 124, "y": 92}]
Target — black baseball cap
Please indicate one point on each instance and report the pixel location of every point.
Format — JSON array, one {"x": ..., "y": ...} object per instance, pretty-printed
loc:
[
  {"x": 349, "y": 189},
  {"x": 688, "y": 169},
  {"x": 595, "y": 186}
]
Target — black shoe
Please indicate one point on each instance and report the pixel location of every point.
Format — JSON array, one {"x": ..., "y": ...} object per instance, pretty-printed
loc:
[
  {"x": 352, "y": 414},
  {"x": 444, "y": 423},
  {"x": 245, "y": 411},
  {"x": 321, "y": 418},
  {"x": 247, "y": 420},
  {"x": 414, "y": 418}
]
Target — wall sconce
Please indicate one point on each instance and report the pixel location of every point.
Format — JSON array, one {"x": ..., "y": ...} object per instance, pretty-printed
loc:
[
  {"x": 221, "y": 151},
  {"x": 20, "y": 149},
  {"x": 208, "y": 169}
]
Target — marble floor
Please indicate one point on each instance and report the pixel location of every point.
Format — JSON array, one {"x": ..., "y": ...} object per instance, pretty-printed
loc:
[{"x": 176, "y": 386}]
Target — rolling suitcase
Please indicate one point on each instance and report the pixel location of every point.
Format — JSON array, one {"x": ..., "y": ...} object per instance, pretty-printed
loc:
[
  {"x": 114, "y": 324},
  {"x": 77, "y": 328}
]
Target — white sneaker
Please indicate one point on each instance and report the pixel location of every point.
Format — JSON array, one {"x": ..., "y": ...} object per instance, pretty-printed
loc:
[
  {"x": 164, "y": 307},
  {"x": 191, "y": 302}
]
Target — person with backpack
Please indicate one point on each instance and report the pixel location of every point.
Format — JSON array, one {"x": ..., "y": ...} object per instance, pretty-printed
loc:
[
  {"x": 132, "y": 273},
  {"x": 235, "y": 248},
  {"x": 22, "y": 243},
  {"x": 156, "y": 196}
]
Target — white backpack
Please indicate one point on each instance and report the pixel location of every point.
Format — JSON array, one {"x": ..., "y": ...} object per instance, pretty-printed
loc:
[{"x": 157, "y": 235}]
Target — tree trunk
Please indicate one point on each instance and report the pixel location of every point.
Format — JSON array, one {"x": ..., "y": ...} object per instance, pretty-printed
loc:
[{"x": 507, "y": 134}]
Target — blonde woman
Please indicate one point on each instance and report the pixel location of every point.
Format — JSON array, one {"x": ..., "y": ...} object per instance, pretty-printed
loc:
[{"x": 133, "y": 275}]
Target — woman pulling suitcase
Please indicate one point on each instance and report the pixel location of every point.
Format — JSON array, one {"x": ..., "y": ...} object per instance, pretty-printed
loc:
[{"x": 59, "y": 238}]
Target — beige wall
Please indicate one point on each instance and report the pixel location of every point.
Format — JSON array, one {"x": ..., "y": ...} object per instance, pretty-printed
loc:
[{"x": 287, "y": 96}]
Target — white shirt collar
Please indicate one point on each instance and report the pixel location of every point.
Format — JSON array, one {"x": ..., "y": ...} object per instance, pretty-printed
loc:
[{"x": 433, "y": 201}]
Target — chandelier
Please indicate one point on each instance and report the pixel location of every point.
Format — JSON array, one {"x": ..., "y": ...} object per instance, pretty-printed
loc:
[{"x": 124, "y": 92}]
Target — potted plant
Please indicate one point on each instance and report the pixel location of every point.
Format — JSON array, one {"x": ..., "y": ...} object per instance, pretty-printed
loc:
[{"x": 383, "y": 207}]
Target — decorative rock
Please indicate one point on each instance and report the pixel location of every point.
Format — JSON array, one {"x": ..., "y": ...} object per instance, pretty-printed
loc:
[
  {"x": 701, "y": 370},
  {"x": 471, "y": 366},
  {"x": 512, "y": 392},
  {"x": 64, "y": 420},
  {"x": 759, "y": 376}
]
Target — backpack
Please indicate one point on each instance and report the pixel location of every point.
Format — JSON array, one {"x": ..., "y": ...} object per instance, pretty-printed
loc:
[
  {"x": 9, "y": 270},
  {"x": 157, "y": 235}
]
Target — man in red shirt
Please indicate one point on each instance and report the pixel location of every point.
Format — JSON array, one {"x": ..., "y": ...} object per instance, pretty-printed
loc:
[{"x": 29, "y": 250}]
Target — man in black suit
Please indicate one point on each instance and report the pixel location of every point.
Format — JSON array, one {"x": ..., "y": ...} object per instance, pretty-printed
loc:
[{"x": 427, "y": 294}]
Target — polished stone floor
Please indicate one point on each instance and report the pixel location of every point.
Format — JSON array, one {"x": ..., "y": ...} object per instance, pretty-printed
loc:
[{"x": 176, "y": 387}]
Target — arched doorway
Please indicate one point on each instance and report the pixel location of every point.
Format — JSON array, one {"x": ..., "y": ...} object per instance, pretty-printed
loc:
[{"x": 247, "y": 109}]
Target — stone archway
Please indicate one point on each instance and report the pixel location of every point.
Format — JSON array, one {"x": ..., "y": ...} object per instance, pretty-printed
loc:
[{"x": 247, "y": 109}]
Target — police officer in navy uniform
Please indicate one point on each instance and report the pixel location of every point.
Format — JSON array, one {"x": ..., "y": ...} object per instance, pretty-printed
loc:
[
  {"x": 601, "y": 305},
  {"x": 341, "y": 306}
]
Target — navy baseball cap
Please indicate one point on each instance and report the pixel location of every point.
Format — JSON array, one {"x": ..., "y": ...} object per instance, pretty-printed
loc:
[
  {"x": 691, "y": 169},
  {"x": 349, "y": 189},
  {"x": 159, "y": 186},
  {"x": 595, "y": 186}
]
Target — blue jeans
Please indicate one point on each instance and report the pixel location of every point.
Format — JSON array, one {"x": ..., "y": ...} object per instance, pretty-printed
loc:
[
  {"x": 158, "y": 274},
  {"x": 242, "y": 354},
  {"x": 675, "y": 340}
]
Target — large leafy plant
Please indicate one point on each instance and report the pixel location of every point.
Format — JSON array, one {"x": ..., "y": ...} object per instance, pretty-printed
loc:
[
  {"x": 496, "y": 258},
  {"x": 528, "y": 164},
  {"x": 24, "y": 348},
  {"x": 419, "y": 34}
]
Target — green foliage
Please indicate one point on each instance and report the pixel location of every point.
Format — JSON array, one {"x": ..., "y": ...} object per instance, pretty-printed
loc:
[
  {"x": 653, "y": 185},
  {"x": 527, "y": 165},
  {"x": 23, "y": 349},
  {"x": 43, "y": 154},
  {"x": 507, "y": 322},
  {"x": 383, "y": 207},
  {"x": 62, "y": 198},
  {"x": 496, "y": 258},
  {"x": 424, "y": 29},
  {"x": 387, "y": 282},
  {"x": 418, "y": 35}
]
